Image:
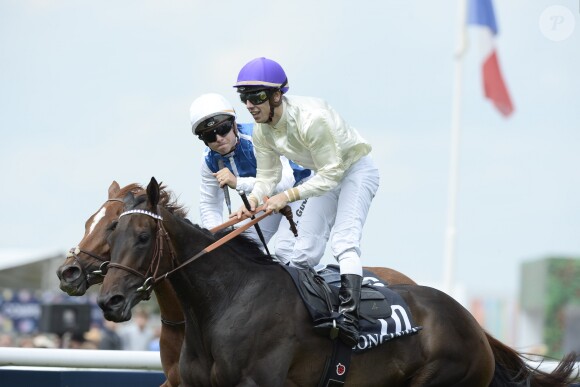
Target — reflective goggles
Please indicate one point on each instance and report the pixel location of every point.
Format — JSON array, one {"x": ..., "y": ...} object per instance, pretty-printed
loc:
[
  {"x": 256, "y": 98},
  {"x": 222, "y": 130}
]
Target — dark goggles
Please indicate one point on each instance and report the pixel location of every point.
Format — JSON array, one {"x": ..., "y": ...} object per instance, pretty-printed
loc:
[
  {"x": 256, "y": 98},
  {"x": 211, "y": 135}
]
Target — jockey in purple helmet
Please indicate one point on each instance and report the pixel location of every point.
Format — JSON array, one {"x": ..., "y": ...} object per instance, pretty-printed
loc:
[{"x": 312, "y": 134}]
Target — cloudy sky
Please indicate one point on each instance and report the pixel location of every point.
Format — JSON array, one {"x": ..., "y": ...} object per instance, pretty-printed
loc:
[{"x": 96, "y": 91}]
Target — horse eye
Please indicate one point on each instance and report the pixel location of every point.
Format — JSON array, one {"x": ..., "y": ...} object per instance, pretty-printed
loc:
[
  {"x": 113, "y": 225},
  {"x": 143, "y": 238}
]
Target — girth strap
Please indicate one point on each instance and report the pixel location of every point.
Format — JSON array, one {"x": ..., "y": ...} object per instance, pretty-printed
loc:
[{"x": 336, "y": 366}]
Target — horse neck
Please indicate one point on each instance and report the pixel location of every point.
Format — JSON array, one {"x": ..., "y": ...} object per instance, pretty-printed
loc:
[
  {"x": 210, "y": 278},
  {"x": 169, "y": 305}
]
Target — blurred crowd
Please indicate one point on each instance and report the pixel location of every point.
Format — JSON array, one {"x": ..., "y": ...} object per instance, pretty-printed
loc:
[{"x": 141, "y": 333}]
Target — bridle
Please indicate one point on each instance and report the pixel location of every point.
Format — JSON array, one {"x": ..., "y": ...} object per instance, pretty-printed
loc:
[
  {"x": 103, "y": 268},
  {"x": 152, "y": 277},
  {"x": 75, "y": 251}
]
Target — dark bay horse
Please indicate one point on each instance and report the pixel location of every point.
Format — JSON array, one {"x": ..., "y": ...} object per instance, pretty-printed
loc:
[
  {"x": 83, "y": 267},
  {"x": 246, "y": 325}
]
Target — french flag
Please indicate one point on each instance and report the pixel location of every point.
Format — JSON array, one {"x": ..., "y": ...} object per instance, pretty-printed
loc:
[{"x": 480, "y": 14}]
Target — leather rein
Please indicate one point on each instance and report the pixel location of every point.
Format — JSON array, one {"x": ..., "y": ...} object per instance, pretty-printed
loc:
[{"x": 151, "y": 277}]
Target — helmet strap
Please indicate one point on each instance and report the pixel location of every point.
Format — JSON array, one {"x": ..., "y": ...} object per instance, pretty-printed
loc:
[
  {"x": 271, "y": 115},
  {"x": 273, "y": 105}
]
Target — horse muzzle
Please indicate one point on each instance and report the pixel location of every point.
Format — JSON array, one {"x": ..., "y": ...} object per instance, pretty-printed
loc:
[
  {"x": 72, "y": 280},
  {"x": 116, "y": 307}
]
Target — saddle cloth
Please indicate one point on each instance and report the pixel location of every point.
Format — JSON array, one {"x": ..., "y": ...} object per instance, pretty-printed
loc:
[{"x": 384, "y": 315}]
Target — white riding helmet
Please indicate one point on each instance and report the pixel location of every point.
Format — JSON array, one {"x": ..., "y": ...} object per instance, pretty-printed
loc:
[{"x": 206, "y": 107}]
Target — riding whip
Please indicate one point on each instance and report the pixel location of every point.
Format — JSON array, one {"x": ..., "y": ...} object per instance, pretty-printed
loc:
[
  {"x": 225, "y": 188},
  {"x": 287, "y": 212},
  {"x": 258, "y": 229}
]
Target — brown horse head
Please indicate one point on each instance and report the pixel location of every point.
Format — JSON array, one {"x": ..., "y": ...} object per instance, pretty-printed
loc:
[{"x": 81, "y": 267}]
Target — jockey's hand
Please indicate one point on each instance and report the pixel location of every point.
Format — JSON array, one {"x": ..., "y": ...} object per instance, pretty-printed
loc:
[
  {"x": 225, "y": 177},
  {"x": 276, "y": 202},
  {"x": 244, "y": 211}
]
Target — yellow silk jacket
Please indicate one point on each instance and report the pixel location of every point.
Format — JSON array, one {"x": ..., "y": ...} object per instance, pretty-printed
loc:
[{"x": 312, "y": 134}]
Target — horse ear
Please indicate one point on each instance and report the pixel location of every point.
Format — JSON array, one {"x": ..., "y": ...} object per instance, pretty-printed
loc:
[
  {"x": 114, "y": 190},
  {"x": 129, "y": 200},
  {"x": 153, "y": 192}
]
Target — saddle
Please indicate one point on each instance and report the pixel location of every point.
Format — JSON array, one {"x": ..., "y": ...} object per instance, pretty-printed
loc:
[{"x": 383, "y": 313}]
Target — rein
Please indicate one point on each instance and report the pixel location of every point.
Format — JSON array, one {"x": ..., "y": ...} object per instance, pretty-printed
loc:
[
  {"x": 151, "y": 278},
  {"x": 221, "y": 241},
  {"x": 233, "y": 221},
  {"x": 286, "y": 211}
]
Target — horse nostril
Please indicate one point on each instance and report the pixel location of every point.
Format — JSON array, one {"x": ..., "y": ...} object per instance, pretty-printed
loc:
[
  {"x": 70, "y": 273},
  {"x": 116, "y": 301},
  {"x": 111, "y": 304}
]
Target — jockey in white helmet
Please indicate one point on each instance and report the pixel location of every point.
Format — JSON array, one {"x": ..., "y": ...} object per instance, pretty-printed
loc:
[{"x": 229, "y": 160}]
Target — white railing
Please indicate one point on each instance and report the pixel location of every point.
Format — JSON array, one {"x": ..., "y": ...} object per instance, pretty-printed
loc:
[
  {"x": 132, "y": 360},
  {"x": 80, "y": 358}
]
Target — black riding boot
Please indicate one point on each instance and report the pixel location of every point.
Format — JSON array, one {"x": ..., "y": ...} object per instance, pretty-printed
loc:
[{"x": 349, "y": 296}]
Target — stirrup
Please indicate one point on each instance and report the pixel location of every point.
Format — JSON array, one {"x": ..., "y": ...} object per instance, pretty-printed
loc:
[{"x": 328, "y": 328}]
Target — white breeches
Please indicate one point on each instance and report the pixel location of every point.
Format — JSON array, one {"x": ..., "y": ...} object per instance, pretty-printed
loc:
[{"x": 343, "y": 210}]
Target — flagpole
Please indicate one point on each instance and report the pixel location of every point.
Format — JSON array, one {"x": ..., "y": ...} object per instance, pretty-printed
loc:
[{"x": 450, "y": 234}]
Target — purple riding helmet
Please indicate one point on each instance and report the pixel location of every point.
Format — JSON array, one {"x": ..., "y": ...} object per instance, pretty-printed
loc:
[{"x": 261, "y": 73}]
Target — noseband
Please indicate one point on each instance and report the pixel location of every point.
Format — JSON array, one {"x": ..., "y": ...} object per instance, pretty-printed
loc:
[{"x": 75, "y": 251}]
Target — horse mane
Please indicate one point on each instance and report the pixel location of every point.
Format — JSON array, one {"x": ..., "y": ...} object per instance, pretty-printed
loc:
[
  {"x": 241, "y": 244},
  {"x": 167, "y": 198},
  {"x": 245, "y": 245},
  {"x": 134, "y": 188},
  {"x": 169, "y": 201}
]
